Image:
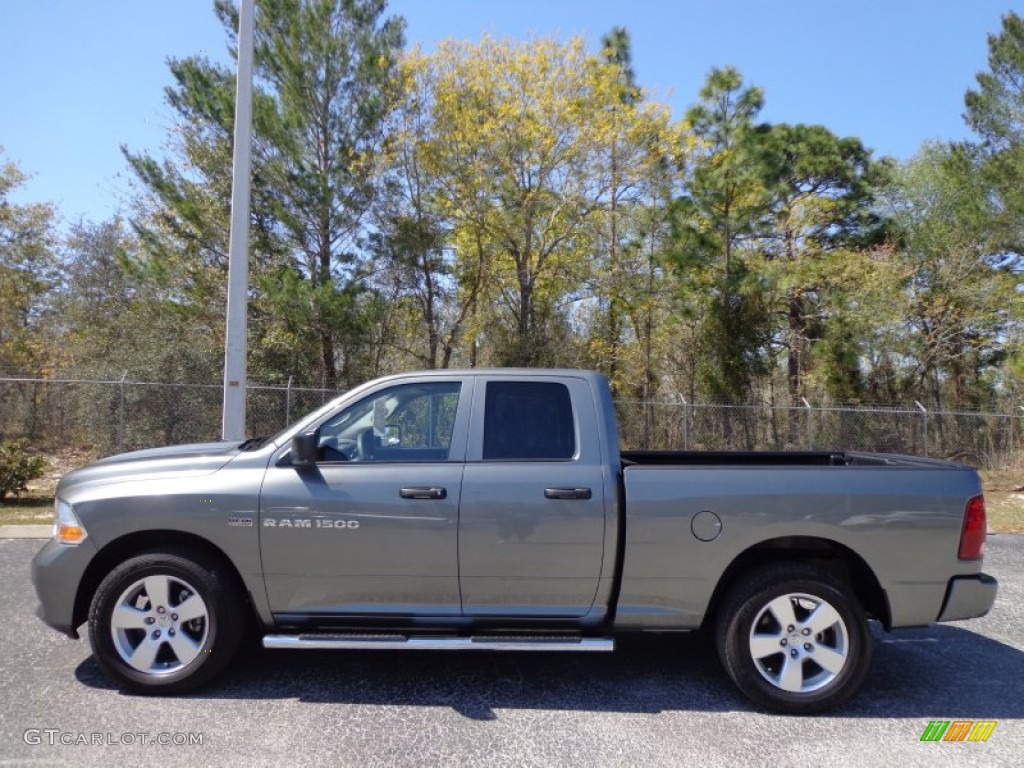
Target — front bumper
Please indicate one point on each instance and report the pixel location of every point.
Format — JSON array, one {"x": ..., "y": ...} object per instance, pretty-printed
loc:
[
  {"x": 968, "y": 597},
  {"x": 57, "y": 571}
]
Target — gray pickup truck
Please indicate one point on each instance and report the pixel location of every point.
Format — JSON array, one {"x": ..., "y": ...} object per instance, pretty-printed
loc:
[{"x": 493, "y": 510}]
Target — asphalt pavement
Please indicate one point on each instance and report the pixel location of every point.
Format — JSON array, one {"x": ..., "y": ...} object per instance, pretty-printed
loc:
[{"x": 660, "y": 701}]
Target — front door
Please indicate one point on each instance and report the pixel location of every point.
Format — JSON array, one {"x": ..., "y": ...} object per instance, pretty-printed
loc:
[
  {"x": 532, "y": 528},
  {"x": 372, "y": 528}
]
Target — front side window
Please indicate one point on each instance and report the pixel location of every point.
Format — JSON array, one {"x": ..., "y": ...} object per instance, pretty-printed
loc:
[
  {"x": 528, "y": 420},
  {"x": 408, "y": 422}
]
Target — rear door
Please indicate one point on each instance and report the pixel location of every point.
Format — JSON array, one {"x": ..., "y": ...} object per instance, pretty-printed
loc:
[{"x": 532, "y": 518}]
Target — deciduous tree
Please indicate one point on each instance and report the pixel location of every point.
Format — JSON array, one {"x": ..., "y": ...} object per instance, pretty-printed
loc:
[{"x": 29, "y": 273}]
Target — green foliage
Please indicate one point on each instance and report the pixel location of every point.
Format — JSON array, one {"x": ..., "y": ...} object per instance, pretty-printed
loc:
[
  {"x": 528, "y": 203},
  {"x": 29, "y": 275},
  {"x": 822, "y": 211},
  {"x": 517, "y": 154},
  {"x": 726, "y": 199},
  {"x": 17, "y": 468},
  {"x": 726, "y": 191},
  {"x": 963, "y": 304},
  {"x": 325, "y": 83},
  {"x": 995, "y": 111},
  {"x": 617, "y": 51},
  {"x": 119, "y": 314}
]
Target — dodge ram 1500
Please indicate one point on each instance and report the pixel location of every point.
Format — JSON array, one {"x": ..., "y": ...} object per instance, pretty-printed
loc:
[{"x": 493, "y": 510}]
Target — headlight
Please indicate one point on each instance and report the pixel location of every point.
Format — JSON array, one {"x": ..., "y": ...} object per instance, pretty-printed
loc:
[{"x": 67, "y": 529}]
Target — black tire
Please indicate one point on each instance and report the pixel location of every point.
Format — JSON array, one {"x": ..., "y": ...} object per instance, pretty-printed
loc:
[
  {"x": 213, "y": 637},
  {"x": 764, "y": 679}
]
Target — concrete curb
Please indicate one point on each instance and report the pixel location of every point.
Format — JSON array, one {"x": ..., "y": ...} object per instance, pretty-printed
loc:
[{"x": 26, "y": 531}]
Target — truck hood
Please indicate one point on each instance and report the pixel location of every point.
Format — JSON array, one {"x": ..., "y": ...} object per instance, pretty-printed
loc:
[{"x": 176, "y": 460}]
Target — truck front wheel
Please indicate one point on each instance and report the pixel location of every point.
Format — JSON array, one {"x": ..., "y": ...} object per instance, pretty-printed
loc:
[
  {"x": 166, "y": 622},
  {"x": 794, "y": 639}
]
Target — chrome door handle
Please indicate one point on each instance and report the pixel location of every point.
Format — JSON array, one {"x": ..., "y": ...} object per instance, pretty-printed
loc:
[
  {"x": 567, "y": 493},
  {"x": 423, "y": 492}
]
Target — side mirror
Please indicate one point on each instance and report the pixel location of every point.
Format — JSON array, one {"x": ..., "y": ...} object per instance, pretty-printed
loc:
[{"x": 305, "y": 449}]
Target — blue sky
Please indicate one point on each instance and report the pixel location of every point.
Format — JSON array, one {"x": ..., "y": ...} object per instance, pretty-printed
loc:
[{"x": 81, "y": 78}]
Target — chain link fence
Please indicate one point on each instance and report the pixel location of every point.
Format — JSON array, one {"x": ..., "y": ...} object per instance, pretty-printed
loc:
[
  {"x": 105, "y": 417},
  {"x": 978, "y": 438}
]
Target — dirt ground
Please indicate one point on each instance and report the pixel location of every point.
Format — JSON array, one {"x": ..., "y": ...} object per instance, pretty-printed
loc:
[{"x": 1004, "y": 497}]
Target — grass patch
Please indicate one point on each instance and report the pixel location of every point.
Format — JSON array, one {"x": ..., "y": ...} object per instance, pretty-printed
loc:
[
  {"x": 35, "y": 506},
  {"x": 28, "y": 510}
]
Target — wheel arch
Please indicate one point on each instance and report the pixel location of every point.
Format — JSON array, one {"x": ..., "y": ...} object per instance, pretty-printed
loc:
[
  {"x": 132, "y": 544},
  {"x": 826, "y": 554}
]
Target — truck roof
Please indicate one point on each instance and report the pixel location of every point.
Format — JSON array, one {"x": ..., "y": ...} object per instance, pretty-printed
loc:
[{"x": 443, "y": 372}]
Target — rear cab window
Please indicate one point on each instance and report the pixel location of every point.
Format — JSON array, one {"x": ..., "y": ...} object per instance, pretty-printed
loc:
[{"x": 528, "y": 420}]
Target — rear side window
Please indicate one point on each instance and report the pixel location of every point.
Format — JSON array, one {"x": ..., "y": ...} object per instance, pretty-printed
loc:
[{"x": 528, "y": 420}]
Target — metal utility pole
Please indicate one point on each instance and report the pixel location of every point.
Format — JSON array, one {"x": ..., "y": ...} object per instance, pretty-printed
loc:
[{"x": 233, "y": 421}]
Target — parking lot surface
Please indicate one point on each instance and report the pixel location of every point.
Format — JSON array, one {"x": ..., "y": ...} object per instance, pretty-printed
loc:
[{"x": 658, "y": 701}]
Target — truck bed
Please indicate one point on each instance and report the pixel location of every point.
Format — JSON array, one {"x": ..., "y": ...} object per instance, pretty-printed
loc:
[
  {"x": 689, "y": 514},
  {"x": 771, "y": 459}
]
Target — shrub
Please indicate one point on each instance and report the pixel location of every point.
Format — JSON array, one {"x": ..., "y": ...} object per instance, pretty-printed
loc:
[{"x": 17, "y": 467}]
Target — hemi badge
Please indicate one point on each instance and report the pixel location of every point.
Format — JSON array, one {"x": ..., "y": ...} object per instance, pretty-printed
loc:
[{"x": 240, "y": 522}]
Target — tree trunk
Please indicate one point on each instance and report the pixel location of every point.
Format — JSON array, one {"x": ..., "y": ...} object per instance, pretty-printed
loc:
[
  {"x": 430, "y": 317},
  {"x": 613, "y": 272},
  {"x": 649, "y": 382},
  {"x": 794, "y": 363},
  {"x": 326, "y": 337},
  {"x": 523, "y": 351}
]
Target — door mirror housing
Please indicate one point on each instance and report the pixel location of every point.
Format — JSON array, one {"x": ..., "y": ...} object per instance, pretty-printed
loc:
[{"x": 305, "y": 449}]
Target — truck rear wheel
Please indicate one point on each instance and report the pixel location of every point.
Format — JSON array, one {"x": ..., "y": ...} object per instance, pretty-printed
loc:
[
  {"x": 166, "y": 622},
  {"x": 794, "y": 639}
]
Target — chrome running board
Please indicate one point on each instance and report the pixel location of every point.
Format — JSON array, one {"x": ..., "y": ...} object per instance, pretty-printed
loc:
[{"x": 362, "y": 641}]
